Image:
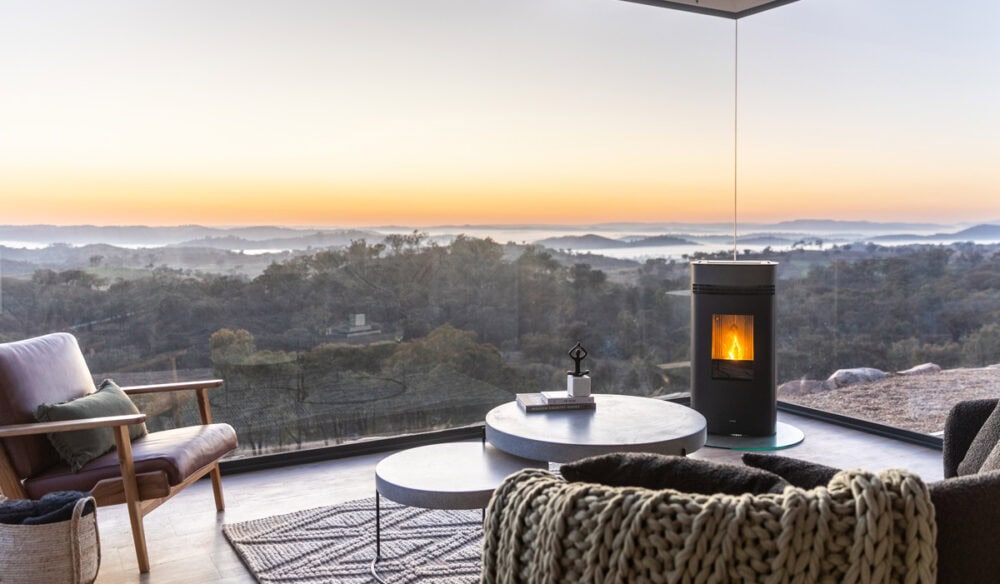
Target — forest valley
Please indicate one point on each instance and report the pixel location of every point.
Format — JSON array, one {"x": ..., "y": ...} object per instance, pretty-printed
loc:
[{"x": 457, "y": 329}]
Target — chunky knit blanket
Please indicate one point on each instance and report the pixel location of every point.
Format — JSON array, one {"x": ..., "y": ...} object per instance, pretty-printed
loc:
[{"x": 860, "y": 528}]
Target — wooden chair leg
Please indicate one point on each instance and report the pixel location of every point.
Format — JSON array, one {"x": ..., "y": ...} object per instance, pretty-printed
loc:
[
  {"x": 220, "y": 502},
  {"x": 10, "y": 484},
  {"x": 205, "y": 409},
  {"x": 124, "y": 447}
]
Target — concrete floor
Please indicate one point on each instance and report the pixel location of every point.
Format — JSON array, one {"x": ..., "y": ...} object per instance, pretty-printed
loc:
[{"x": 185, "y": 538}]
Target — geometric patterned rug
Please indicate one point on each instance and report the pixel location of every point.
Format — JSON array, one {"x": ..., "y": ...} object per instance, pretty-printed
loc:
[{"x": 337, "y": 544}]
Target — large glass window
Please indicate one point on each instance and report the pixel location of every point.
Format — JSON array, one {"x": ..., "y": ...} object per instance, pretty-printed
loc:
[
  {"x": 377, "y": 218},
  {"x": 895, "y": 335}
]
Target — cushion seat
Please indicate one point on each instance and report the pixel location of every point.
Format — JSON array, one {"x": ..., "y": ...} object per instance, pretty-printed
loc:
[{"x": 178, "y": 452}]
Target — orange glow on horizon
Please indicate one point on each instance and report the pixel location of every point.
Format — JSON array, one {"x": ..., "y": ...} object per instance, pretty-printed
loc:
[
  {"x": 209, "y": 202},
  {"x": 99, "y": 200}
]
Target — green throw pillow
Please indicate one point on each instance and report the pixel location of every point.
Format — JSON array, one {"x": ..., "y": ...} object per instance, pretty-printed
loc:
[{"x": 79, "y": 447}]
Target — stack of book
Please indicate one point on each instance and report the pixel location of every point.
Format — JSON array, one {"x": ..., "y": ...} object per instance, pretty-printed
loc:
[{"x": 548, "y": 401}]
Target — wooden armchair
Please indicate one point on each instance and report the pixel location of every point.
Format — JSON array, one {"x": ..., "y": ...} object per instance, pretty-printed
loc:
[{"x": 142, "y": 474}]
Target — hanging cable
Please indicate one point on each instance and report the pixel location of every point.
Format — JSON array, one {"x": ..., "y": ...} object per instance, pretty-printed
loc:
[{"x": 736, "y": 119}]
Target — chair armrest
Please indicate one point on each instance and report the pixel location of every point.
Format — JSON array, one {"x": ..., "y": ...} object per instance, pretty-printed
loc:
[
  {"x": 164, "y": 387},
  {"x": 967, "y": 515},
  {"x": 202, "y": 387},
  {"x": 963, "y": 423},
  {"x": 70, "y": 425}
]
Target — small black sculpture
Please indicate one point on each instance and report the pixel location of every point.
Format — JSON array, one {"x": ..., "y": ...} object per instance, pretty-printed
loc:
[{"x": 578, "y": 354}]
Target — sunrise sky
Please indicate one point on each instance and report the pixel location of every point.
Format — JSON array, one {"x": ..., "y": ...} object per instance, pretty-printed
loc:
[{"x": 423, "y": 112}]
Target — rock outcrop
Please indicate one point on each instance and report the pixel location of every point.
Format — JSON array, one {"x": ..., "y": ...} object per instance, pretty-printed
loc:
[
  {"x": 921, "y": 369},
  {"x": 915, "y": 402},
  {"x": 804, "y": 387},
  {"x": 842, "y": 377}
]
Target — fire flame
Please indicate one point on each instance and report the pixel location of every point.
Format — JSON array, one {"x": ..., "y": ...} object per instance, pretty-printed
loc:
[
  {"x": 732, "y": 337},
  {"x": 735, "y": 350}
]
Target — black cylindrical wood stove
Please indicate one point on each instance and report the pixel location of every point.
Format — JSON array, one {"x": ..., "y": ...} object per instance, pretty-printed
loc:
[{"x": 732, "y": 346}]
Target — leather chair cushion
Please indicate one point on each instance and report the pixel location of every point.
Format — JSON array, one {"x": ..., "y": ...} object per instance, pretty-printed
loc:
[
  {"x": 178, "y": 452},
  {"x": 47, "y": 369}
]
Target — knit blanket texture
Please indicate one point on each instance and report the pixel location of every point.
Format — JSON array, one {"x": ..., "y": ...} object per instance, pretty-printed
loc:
[
  {"x": 51, "y": 508},
  {"x": 862, "y": 528}
]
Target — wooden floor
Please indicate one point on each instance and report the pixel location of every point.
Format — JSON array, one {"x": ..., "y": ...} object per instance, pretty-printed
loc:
[{"x": 186, "y": 544}]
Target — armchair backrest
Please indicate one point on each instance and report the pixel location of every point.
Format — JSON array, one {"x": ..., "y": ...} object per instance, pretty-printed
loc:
[
  {"x": 964, "y": 422},
  {"x": 46, "y": 369}
]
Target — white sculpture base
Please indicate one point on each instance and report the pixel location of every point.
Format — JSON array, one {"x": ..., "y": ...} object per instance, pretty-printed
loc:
[{"x": 578, "y": 386}]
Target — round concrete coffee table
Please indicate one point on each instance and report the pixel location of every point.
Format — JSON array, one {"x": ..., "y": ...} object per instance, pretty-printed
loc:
[
  {"x": 621, "y": 423},
  {"x": 454, "y": 475}
]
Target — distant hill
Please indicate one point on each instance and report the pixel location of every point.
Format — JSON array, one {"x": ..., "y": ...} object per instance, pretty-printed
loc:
[
  {"x": 764, "y": 240},
  {"x": 979, "y": 233},
  {"x": 985, "y": 233},
  {"x": 751, "y": 239},
  {"x": 591, "y": 241},
  {"x": 235, "y": 238},
  {"x": 813, "y": 225},
  {"x": 220, "y": 242},
  {"x": 660, "y": 240},
  {"x": 111, "y": 262},
  {"x": 598, "y": 262},
  {"x": 317, "y": 239},
  {"x": 614, "y": 235},
  {"x": 114, "y": 235}
]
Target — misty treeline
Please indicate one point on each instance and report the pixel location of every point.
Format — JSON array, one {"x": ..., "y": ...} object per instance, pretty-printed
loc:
[{"x": 462, "y": 327}]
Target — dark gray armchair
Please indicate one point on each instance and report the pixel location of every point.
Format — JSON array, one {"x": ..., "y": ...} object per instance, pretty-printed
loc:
[{"x": 967, "y": 508}]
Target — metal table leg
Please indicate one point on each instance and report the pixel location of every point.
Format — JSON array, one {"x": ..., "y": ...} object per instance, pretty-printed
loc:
[{"x": 378, "y": 538}]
